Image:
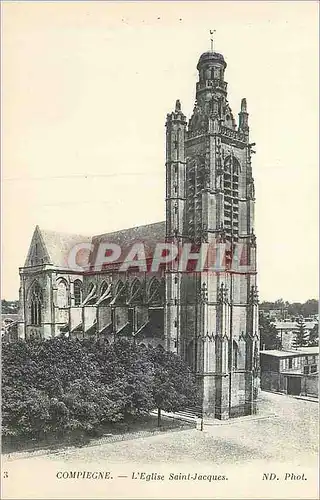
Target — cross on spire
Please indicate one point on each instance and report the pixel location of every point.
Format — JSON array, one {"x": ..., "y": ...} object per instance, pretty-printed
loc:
[{"x": 212, "y": 39}]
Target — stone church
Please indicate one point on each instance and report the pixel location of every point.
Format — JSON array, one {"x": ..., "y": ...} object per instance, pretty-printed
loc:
[{"x": 209, "y": 318}]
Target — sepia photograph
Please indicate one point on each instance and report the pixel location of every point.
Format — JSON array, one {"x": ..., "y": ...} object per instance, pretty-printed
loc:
[{"x": 160, "y": 246}]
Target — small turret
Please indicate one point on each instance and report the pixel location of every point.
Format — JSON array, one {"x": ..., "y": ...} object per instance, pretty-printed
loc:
[
  {"x": 175, "y": 215},
  {"x": 243, "y": 117},
  {"x": 175, "y": 171},
  {"x": 175, "y": 125}
]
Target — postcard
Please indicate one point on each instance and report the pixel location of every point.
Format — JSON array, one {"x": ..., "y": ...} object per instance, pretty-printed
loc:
[{"x": 160, "y": 329}]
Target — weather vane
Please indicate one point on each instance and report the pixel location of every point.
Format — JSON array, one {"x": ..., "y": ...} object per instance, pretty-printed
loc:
[{"x": 211, "y": 39}]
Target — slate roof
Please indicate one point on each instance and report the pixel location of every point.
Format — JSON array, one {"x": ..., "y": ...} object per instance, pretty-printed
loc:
[
  {"x": 209, "y": 56},
  {"x": 54, "y": 247},
  {"x": 149, "y": 235},
  {"x": 57, "y": 245}
]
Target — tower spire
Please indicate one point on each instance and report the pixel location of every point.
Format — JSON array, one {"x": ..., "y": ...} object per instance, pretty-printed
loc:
[{"x": 212, "y": 40}]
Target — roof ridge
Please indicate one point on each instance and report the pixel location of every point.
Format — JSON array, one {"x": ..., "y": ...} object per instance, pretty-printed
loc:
[
  {"x": 129, "y": 228},
  {"x": 66, "y": 233}
]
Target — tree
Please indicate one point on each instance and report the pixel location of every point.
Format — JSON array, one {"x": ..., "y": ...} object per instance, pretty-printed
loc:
[
  {"x": 314, "y": 336},
  {"x": 174, "y": 387},
  {"x": 9, "y": 306},
  {"x": 266, "y": 306},
  {"x": 310, "y": 308},
  {"x": 301, "y": 335},
  {"x": 279, "y": 304},
  {"x": 38, "y": 377},
  {"x": 295, "y": 309},
  {"x": 61, "y": 385},
  {"x": 25, "y": 412},
  {"x": 87, "y": 404},
  {"x": 125, "y": 367},
  {"x": 269, "y": 338}
]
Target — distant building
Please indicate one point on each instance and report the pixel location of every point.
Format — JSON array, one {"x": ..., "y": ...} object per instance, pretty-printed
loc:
[
  {"x": 275, "y": 314},
  {"x": 287, "y": 331},
  {"x": 291, "y": 372},
  {"x": 9, "y": 326}
]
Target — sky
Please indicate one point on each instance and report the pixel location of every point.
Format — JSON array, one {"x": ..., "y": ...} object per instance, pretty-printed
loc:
[{"x": 86, "y": 87}]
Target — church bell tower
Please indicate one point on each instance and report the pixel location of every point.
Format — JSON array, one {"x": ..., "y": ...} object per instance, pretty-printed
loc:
[{"x": 212, "y": 314}]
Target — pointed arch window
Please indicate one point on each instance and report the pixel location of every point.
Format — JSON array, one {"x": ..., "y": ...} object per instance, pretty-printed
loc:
[
  {"x": 91, "y": 295},
  {"x": 36, "y": 304},
  {"x": 77, "y": 293},
  {"x": 105, "y": 294},
  {"x": 235, "y": 352},
  {"x": 62, "y": 294},
  {"x": 242, "y": 352},
  {"x": 120, "y": 297},
  {"x": 231, "y": 196},
  {"x": 135, "y": 295},
  {"x": 103, "y": 288},
  {"x": 218, "y": 349},
  {"x": 155, "y": 292}
]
